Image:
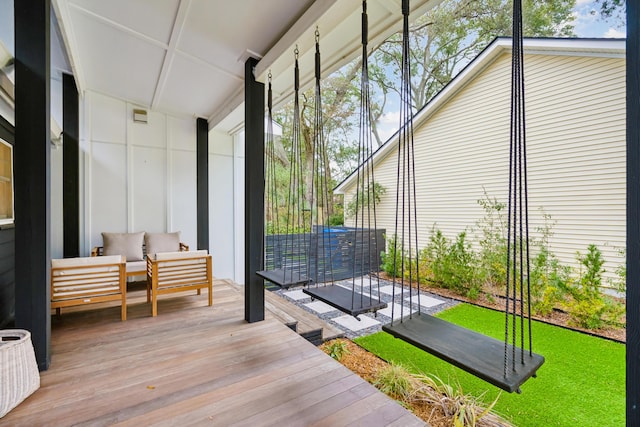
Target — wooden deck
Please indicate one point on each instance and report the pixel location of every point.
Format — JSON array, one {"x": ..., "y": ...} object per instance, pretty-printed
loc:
[{"x": 195, "y": 365}]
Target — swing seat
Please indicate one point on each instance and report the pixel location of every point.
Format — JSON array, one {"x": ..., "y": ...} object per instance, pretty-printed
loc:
[
  {"x": 346, "y": 300},
  {"x": 284, "y": 278},
  {"x": 470, "y": 351}
]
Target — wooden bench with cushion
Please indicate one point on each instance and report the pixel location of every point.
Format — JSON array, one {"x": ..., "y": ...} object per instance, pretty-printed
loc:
[
  {"x": 169, "y": 272},
  {"x": 136, "y": 246},
  {"x": 87, "y": 280}
]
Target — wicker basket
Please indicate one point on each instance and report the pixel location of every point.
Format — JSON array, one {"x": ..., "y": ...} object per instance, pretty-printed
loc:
[{"x": 19, "y": 376}]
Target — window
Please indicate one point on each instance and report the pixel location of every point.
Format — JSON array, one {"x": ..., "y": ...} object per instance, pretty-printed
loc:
[{"x": 6, "y": 183}]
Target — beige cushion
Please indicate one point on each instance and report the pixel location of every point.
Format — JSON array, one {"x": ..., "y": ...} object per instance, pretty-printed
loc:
[
  {"x": 127, "y": 244},
  {"x": 140, "y": 266},
  {"x": 162, "y": 242},
  {"x": 180, "y": 255},
  {"x": 86, "y": 261}
]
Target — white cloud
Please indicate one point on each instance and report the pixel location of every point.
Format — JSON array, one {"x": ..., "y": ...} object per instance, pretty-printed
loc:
[
  {"x": 615, "y": 34},
  {"x": 392, "y": 117}
]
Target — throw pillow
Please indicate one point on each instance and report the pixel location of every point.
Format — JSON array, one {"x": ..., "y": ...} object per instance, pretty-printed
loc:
[
  {"x": 127, "y": 244},
  {"x": 162, "y": 242}
]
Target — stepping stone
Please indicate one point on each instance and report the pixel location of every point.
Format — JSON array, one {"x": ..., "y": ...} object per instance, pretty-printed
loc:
[
  {"x": 296, "y": 295},
  {"x": 388, "y": 290},
  {"x": 397, "y": 311},
  {"x": 351, "y": 323},
  {"x": 320, "y": 307},
  {"x": 425, "y": 301}
]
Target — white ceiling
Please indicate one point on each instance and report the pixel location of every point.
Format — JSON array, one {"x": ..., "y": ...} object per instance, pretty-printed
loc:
[{"x": 187, "y": 56}]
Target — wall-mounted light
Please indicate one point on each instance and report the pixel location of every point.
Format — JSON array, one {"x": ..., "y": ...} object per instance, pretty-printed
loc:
[{"x": 139, "y": 116}]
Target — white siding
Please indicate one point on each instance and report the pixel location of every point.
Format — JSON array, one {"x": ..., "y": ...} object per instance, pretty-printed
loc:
[{"x": 575, "y": 114}]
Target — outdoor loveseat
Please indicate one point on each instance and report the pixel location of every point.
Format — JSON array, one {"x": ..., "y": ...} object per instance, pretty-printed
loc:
[{"x": 136, "y": 246}]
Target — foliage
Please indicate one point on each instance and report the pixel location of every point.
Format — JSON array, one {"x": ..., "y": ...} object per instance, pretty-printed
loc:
[
  {"x": 336, "y": 349},
  {"x": 465, "y": 409},
  {"x": 453, "y": 264},
  {"x": 448, "y": 36},
  {"x": 589, "y": 308},
  {"x": 610, "y": 8},
  {"x": 392, "y": 259},
  {"x": 361, "y": 201},
  {"x": 492, "y": 238},
  {"x": 581, "y": 383},
  {"x": 336, "y": 219},
  {"x": 395, "y": 381}
]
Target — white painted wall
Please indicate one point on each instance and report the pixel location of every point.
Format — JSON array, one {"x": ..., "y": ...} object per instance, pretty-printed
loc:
[
  {"x": 222, "y": 216},
  {"x": 135, "y": 177}
]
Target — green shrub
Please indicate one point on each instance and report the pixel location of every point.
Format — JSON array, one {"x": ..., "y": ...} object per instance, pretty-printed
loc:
[
  {"x": 589, "y": 308},
  {"x": 336, "y": 349},
  {"x": 396, "y": 382},
  {"x": 336, "y": 220},
  {"x": 453, "y": 265},
  {"x": 492, "y": 228},
  {"x": 392, "y": 258}
]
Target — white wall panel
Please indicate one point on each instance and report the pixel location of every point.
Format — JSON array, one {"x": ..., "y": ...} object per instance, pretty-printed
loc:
[
  {"x": 148, "y": 189},
  {"x": 108, "y": 190},
  {"x": 183, "y": 196},
  {"x": 108, "y": 119},
  {"x": 181, "y": 133},
  {"x": 221, "y": 214},
  {"x": 150, "y": 134}
]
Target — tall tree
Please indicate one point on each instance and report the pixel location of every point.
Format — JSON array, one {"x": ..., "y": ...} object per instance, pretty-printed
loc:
[{"x": 450, "y": 35}]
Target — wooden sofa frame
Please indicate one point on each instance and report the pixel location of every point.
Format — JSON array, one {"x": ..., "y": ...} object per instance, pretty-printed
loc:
[
  {"x": 78, "y": 281},
  {"x": 99, "y": 251},
  {"x": 177, "y": 272}
]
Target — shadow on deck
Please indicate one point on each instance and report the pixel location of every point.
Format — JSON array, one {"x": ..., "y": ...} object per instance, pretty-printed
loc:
[{"x": 195, "y": 364}]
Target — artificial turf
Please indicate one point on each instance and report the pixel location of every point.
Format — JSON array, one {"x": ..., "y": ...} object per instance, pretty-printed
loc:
[{"x": 582, "y": 382}]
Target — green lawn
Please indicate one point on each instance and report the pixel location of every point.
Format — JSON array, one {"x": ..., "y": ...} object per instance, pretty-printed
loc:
[{"x": 582, "y": 382}]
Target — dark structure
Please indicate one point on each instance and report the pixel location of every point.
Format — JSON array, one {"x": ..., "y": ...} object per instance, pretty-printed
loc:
[
  {"x": 253, "y": 193},
  {"x": 32, "y": 178},
  {"x": 70, "y": 167},
  {"x": 633, "y": 214},
  {"x": 202, "y": 182},
  {"x": 7, "y": 251}
]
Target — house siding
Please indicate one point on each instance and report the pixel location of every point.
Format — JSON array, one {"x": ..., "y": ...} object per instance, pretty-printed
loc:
[{"x": 575, "y": 116}]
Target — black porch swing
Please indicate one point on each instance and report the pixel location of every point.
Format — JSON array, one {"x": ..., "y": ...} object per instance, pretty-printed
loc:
[
  {"x": 288, "y": 265},
  {"x": 506, "y": 364},
  {"x": 359, "y": 298}
]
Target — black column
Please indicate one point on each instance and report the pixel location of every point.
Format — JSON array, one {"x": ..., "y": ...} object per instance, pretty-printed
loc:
[
  {"x": 32, "y": 173},
  {"x": 70, "y": 167},
  {"x": 633, "y": 214},
  {"x": 202, "y": 173},
  {"x": 253, "y": 193}
]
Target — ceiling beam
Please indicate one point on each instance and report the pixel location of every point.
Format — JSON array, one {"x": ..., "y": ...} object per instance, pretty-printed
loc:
[{"x": 176, "y": 32}]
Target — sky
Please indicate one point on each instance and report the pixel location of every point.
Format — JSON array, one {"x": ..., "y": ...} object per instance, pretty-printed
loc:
[{"x": 588, "y": 24}]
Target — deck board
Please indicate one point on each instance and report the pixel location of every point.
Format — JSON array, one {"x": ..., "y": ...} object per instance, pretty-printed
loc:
[{"x": 192, "y": 364}]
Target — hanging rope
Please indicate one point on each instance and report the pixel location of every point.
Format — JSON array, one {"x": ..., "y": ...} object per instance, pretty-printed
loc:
[
  {"x": 518, "y": 269},
  {"x": 365, "y": 247},
  {"x": 320, "y": 188},
  {"x": 405, "y": 241},
  {"x": 271, "y": 212}
]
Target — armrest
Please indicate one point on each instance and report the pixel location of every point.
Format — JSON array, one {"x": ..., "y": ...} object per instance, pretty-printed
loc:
[{"x": 97, "y": 251}]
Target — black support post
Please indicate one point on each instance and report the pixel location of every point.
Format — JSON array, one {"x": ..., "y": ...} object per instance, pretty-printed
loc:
[
  {"x": 202, "y": 173},
  {"x": 253, "y": 193},
  {"x": 633, "y": 214},
  {"x": 32, "y": 178},
  {"x": 70, "y": 167}
]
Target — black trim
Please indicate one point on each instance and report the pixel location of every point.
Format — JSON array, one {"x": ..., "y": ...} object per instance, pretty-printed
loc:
[
  {"x": 633, "y": 214},
  {"x": 202, "y": 174},
  {"x": 7, "y": 131},
  {"x": 70, "y": 167},
  {"x": 253, "y": 193},
  {"x": 32, "y": 174}
]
